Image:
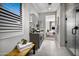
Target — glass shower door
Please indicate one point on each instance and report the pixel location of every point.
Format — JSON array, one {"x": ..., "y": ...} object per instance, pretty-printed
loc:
[
  {"x": 70, "y": 30},
  {"x": 77, "y": 31}
]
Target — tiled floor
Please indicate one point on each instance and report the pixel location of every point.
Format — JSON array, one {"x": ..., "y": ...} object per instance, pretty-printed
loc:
[{"x": 49, "y": 48}]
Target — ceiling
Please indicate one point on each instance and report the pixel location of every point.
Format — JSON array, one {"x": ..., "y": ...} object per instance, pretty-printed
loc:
[{"x": 44, "y": 7}]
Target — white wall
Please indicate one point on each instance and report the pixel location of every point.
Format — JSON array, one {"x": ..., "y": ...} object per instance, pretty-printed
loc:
[
  {"x": 61, "y": 32},
  {"x": 58, "y": 26},
  {"x": 34, "y": 20},
  {"x": 33, "y": 13},
  {"x": 32, "y": 10},
  {"x": 25, "y": 15},
  {"x": 62, "y": 24},
  {"x": 6, "y": 45}
]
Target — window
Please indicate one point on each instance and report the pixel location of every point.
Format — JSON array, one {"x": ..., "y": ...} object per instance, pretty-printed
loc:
[
  {"x": 10, "y": 18},
  {"x": 12, "y": 7}
]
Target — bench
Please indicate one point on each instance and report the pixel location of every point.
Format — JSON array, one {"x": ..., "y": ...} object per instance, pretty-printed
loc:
[{"x": 16, "y": 52}]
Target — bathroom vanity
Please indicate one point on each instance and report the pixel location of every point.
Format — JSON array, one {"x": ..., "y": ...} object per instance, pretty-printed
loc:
[{"x": 37, "y": 39}]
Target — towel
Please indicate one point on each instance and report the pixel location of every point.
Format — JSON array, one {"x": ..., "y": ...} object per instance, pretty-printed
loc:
[{"x": 24, "y": 46}]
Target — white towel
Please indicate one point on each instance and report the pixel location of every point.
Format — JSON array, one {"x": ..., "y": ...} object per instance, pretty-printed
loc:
[{"x": 24, "y": 46}]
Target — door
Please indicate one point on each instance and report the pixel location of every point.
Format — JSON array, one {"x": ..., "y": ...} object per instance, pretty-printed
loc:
[
  {"x": 77, "y": 31},
  {"x": 70, "y": 28}
]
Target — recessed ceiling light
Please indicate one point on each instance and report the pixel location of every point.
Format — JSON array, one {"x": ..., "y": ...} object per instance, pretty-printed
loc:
[{"x": 49, "y": 3}]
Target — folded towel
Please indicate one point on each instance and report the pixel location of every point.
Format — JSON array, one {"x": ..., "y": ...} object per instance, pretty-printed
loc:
[{"x": 24, "y": 46}]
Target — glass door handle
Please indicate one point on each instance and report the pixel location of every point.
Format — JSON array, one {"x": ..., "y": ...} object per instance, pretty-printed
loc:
[{"x": 73, "y": 31}]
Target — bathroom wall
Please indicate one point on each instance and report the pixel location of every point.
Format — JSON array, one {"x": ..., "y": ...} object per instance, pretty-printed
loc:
[
  {"x": 58, "y": 26},
  {"x": 33, "y": 14},
  {"x": 61, "y": 25},
  {"x": 34, "y": 20}
]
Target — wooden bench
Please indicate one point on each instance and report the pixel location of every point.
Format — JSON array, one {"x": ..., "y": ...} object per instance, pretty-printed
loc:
[{"x": 16, "y": 52}]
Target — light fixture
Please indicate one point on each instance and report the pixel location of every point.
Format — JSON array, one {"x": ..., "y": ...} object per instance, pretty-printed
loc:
[
  {"x": 49, "y": 6},
  {"x": 49, "y": 3}
]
